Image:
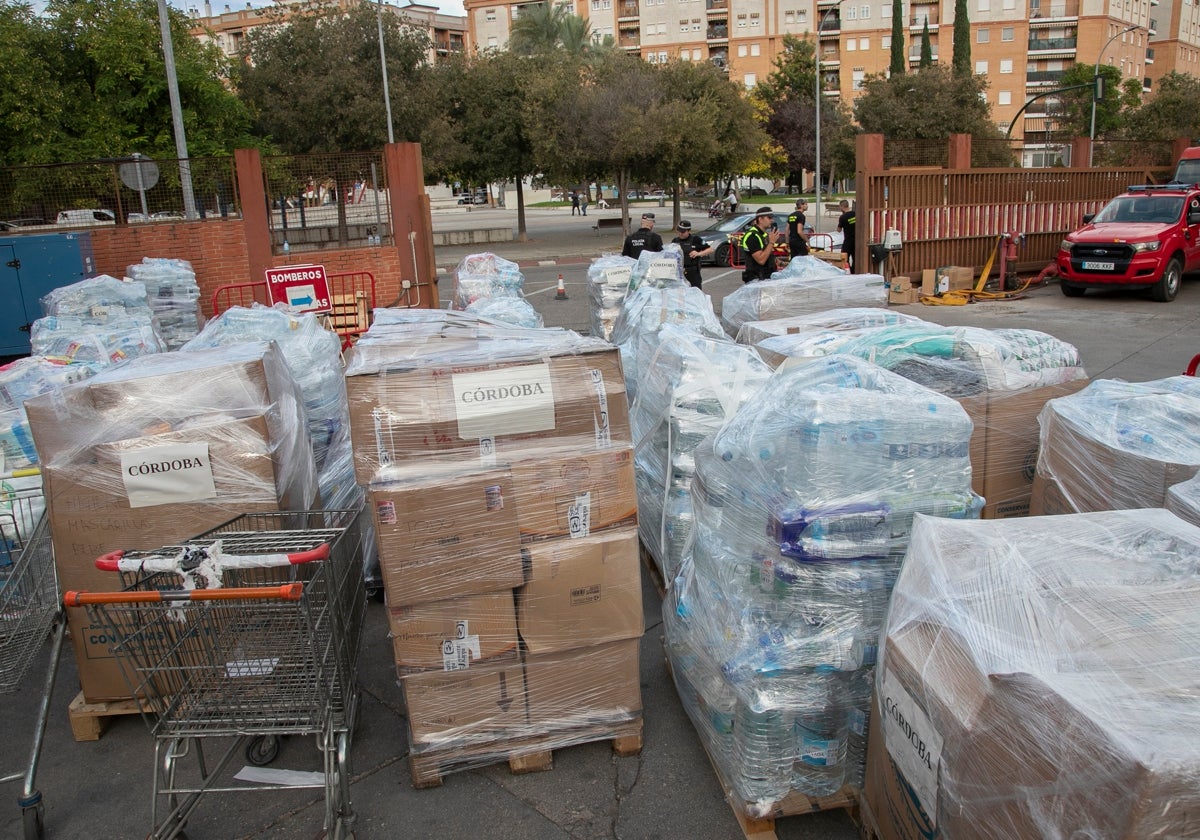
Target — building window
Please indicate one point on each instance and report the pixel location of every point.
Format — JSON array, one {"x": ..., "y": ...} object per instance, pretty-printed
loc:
[
  {"x": 662, "y": 29},
  {"x": 856, "y": 78},
  {"x": 851, "y": 12},
  {"x": 754, "y": 49},
  {"x": 885, "y": 42},
  {"x": 696, "y": 25},
  {"x": 683, "y": 26},
  {"x": 984, "y": 5},
  {"x": 981, "y": 68},
  {"x": 983, "y": 36},
  {"x": 865, "y": 12},
  {"x": 684, "y": 55},
  {"x": 755, "y": 19},
  {"x": 492, "y": 41},
  {"x": 864, "y": 43},
  {"x": 1006, "y": 34},
  {"x": 1009, "y": 5},
  {"x": 885, "y": 11},
  {"x": 741, "y": 50},
  {"x": 1006, "y": 65},
  {"x": 750, "y": 80},
  {"x": 1004, "y": 97},
  {"x": 662, "y": 58},
  {"x": 741, "y": 21},
  {"x": 695, "y": 55},
  {"x": 789, "y": 18},
  {"x": 491, "y": 15},
  {"x": 850, "y": 45}
]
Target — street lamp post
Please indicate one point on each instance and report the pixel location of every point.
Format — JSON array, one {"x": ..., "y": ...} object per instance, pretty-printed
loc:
[
  {"x": 1095, "y": 75},
  {"x": 817, "y": 124},
  {"x": 387, "y": 99}
]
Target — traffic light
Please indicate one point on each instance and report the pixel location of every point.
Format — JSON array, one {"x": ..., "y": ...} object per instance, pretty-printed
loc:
[{"x": 1098, "y": 92}]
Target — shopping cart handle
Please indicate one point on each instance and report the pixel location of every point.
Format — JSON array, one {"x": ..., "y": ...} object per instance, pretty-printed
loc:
[
  {"x": 284, "y": 592},
  {"x": 321, "y": 552},
  {"x": 110, "y": 562}
]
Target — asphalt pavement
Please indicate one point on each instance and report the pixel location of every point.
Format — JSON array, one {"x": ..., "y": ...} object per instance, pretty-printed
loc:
[{"x": 101, "y": 789}]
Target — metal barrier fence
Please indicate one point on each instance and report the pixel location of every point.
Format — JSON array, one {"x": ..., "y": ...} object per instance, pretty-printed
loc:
[
  {"x": 116, "y": 191},
  {"x": 323, "y": 200}
]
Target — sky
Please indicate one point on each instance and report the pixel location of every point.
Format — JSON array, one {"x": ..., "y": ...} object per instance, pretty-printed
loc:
[{"x": 450, "y": 7}]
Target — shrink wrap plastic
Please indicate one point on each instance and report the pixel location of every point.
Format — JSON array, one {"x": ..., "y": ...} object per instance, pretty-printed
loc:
[
  {"x": 658, "y": 269},
  {"x": 803, "y": 503},
  {"x": 848, "y": 318},
  {"x": 693, "y": 384},
  {"x": 19, "y": 381},
  {"x": 1183, "y": 500},
  {"x": 97, "y": 299},
  {"x": 507, "y": 310},
  {"x": 78, "y": 340},
  {"x": 173, "y": 295},
  {"x": 1039, "y": 679},
  {"x": 783, "y": 296},
  {"x": 1118, "y": 445},
  {"x": 485, "y": 276},
  {"x": 608, "y": 282}
]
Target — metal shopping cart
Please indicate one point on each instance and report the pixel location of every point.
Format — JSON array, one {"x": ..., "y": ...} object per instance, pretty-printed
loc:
[
  {"x": 29, "y": 608},
  {"x": 249, "y": 631}
]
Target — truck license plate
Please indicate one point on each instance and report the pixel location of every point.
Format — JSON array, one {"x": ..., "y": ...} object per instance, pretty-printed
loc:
[{"x": 1099, "y": 266}]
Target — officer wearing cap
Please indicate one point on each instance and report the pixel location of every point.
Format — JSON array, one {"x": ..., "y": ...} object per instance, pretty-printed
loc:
[
  {"x": 797, "y": 238},
  {"x": 642, "y": 239},
  {"x": 759, "y": 245},
  {"x": 693, "y": 248}
]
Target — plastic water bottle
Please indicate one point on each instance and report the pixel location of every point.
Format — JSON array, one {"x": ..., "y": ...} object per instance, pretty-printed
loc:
[
  {"x": 763, "y": 751},
  {"x": 819, "y": 768},
  {"x": 858, "y": 718}
]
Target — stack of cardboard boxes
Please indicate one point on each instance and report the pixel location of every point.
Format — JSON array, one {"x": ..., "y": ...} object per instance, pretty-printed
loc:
[
  {"x": 500, "y": 476},
  {"x": 156, "y": 451}
]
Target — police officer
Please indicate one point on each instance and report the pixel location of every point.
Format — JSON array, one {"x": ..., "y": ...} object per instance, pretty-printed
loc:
[
  {"x": 693, "y": 248},
  {"x": 759, "y": 246},
  {"x": 797, "y": 238},
  {"x": 642, "y": 239}
]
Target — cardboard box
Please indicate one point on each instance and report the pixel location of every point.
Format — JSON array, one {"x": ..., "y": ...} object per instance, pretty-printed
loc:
[
  {"x": 957, "y": 277},
  {"x": 581, "y": 592},
  {"x": 904, "y": 297},
  {"x": 929, "y": 281},
  {"x": 90, "y": 515},
  {"x": 901, "y": 283},
  {"x": 488, "y": 414},
  {"x": 458, "y": 708},
  {"x": 575, "y": 495},
  {"x": 583, "y": 686},
  {"x": 1004, "y": 445},
  {"x": 454, "y": 634},
  {"x": 443, "y": 535}
]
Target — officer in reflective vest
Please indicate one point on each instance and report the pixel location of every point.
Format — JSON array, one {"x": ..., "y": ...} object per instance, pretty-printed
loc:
[{"x": 759, "y": 246}]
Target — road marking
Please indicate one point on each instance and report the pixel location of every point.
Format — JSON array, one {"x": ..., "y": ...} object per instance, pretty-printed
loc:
[
  {"x": 719, "y": 276},
  {"x": 553, "y": 288}
]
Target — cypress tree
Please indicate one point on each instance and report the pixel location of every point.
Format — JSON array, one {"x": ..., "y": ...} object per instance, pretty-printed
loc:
[
  {"x": 962, "y": 40},
  {"x": 926, "y": 47},
  {"x": 899, "y": 63}
]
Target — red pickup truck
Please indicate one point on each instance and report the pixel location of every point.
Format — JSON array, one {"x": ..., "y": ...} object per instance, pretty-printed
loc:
[{"x": 1147, "y": 237}]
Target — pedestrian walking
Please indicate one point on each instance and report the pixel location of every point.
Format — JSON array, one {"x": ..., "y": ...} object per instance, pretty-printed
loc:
[
  {"x": 583, "y": 202},
  {"x": 574, "y": 202}
]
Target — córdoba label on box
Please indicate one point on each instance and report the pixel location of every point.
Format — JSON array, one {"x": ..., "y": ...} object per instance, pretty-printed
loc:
[
  {"x": 168, "y": 474},
  {"x": 912, "y": 742},
  {"x": 506, "y": 401}
]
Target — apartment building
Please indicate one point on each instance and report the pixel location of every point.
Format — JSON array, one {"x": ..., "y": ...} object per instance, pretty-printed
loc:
[
  {"x": 1022, "y": 47},
  {"x": 228, "y": 27}
]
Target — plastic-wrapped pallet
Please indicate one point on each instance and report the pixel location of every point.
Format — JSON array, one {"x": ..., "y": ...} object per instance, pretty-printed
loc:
[
  {"x": 1183, "y": 500},
  {"x": 97, "y": 299},
  {"x": 174, "y": 296},
  {"x": 803, "y": 504},
  {"x": 648, "y": 308},
  {"x": 778, "y": 297},
  {"x": 850, "y": 317},
  {"x": 73, "y": 339},
  {"x": 660, "y": 269},
  {"x": 1038, "y": 679},
  {"x": 693, "y": 384},
  {"x": 19, "y": 381},
  {"x": 811, "y": 341},
  {"x": 1117, "y": 445},
  {"x": 608, "y": 283},
  {"x": 484, "y": 276},
  {"x": 507, "y": 310}
]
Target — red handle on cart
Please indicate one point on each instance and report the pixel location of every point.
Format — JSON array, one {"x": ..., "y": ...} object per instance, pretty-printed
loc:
[
  {"x": 1192, "y": 365},
  {"x": 284, "y": 592},
  {"x": 111, "y": 562}
]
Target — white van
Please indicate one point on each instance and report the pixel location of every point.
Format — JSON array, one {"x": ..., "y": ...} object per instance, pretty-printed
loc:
[{"x": 80, "y": 218}]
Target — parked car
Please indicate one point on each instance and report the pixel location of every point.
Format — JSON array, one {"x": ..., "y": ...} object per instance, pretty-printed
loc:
[
  {"x": 1147, "y": 237},
  {"x": 719, "y": 233},
  {"x": 86, "y": 217},
  {"x": 16, "y": 224}
]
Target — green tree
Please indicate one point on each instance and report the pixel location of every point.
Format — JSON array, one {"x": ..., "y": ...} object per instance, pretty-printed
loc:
[
  {"x": 1173, "y": 112},
  {"x": 315, "y": 83},
  {"x": 899, "y": 61},
  {"x": 31, "y": 104},
  {"x": 932, "y": 104},
  {"x": 962, "y": 41},
  {"x": 545, "y": 27},
  {"x": 926, "y": 48},
  {"x": 1074, "y": 107}
]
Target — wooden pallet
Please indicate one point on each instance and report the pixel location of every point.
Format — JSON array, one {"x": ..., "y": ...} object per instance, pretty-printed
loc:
[
  {"x": 524, "y": 755},
  {"x": 89, "y": 719},
  {"x": 868, "y": 827},
  {"x": 652, "y": 569}
]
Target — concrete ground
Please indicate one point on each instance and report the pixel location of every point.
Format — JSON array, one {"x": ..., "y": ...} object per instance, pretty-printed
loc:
[{"x": 100, "y": 790}]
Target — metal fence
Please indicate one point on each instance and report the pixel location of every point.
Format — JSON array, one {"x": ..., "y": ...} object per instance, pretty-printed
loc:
[
  {"x": 327, "y": 200},
  {"x": 116, "y": 191}
]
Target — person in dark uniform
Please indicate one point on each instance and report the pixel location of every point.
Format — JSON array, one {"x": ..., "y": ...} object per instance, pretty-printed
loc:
[
  {"x": 642, "y": 239},
  {"x": 846, "y": 226},
  {"x": 797, "y": 238},
  {"x": 759, "y": 245},
  {"x": 693, "y": 248}
]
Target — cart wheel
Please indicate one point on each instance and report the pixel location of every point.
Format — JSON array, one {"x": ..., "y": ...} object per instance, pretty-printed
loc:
[
  {"x": 34, "y": 820},
  {"x": 262, "y": 749}
]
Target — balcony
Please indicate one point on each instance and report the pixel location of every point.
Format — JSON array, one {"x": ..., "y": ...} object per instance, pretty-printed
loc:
[
  {"x": 1042, "y": 45},
  {"x": 1153, "y": 26},
  {"x": 918, "y": 21},
  {"x": 1043, "y": 77},
  {"x": 627, "y": 10},
  {"x": 628, "y": 42},
  {"x": 831, "y": 56},
  {"x": 914, "y": 55},
  {"x": 833, "y": 23},
  {"x": 1044, "y": 12},
  {"x": 716, "y": 5},
  {"x": 1149, "y": 55},
  {"x": 718, "y": 33}
]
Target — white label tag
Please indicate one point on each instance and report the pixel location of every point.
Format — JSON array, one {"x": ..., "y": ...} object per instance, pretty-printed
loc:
[
  {"x": 168, "y": 474},
  {"x": 383, "y": 449},
  {"x": 508, "y": 401},
  {"x": 662, "y": 270},
  {"x": 603, "y": 431},
  {"x": 912, "y": 742},
  {"x": 618, "y": 275},
  {"x": 458, "y": 653},
  {"x": 487, "y": 451},
  {"x": 579, "y": 516}
]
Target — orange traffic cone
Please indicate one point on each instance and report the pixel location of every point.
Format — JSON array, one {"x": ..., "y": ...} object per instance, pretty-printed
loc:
[{"x": 561, "y": 294}]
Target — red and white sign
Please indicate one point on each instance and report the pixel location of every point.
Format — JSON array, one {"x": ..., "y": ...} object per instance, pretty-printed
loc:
[{"x": 302, "y": 287}]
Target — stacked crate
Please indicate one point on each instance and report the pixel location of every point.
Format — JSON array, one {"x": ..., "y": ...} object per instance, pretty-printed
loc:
[{"x": 499, "y": 470}]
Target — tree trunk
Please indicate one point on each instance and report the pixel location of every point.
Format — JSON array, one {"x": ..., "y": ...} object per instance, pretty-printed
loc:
[
  {"x": 623, "y": 189},
  {"x": 675, "y": 204},
  {"x": 522, "y": 236}
]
